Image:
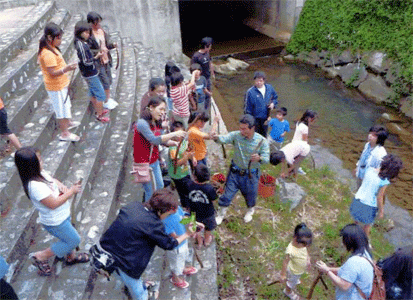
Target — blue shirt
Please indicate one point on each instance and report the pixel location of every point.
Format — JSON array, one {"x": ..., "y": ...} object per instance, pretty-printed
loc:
[
  {"x": 173, "y": 225},
  {"x": 278, "y": 128},
  {"x": 372, "y": 183},
  {"x": 4, "y": 267},
  {"x": 256, "y": 105},
  {"x": 200, "y": 85}
]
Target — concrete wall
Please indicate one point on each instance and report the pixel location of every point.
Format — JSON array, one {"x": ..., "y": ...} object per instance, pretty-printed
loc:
[{"x": 155, "y": 23}]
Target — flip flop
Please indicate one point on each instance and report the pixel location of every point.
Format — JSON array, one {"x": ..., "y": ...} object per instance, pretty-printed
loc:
[
  {"x": 70, "y": 138},
  {"x": 43, "y": 266},
  {"x": 182, "y": 284},
  {"x": 191, "y": 271},
  {"x": 79, "y": 259}
]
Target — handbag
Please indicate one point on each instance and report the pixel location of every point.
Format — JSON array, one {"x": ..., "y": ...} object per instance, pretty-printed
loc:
[{"x": 142, "y": 171}]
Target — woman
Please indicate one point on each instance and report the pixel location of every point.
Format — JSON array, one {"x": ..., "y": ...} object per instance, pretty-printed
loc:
[
  {"x": 148, "y": 135},
  {"x": 50, "y": 197},
  {"x": 356, "y": 271}
]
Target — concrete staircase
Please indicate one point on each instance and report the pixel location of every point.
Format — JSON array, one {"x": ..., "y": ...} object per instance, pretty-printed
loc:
[{"x": 102, "y": 158}]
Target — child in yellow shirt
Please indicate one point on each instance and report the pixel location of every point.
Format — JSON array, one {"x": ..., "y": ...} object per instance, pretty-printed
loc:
[{"x": 296, "y": 260}]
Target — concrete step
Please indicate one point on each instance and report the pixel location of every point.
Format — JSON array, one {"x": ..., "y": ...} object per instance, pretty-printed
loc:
[
  {"x": 17, "y": 71},
  {"x": 15, "y": 39}
]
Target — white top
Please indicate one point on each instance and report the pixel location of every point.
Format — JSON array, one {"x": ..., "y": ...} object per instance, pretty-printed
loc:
[
  {"x": 262, "y": 90},
  {"x": 40, "y": 190},
  {"x": 300, "y": 130},
  {"x": 294, "y": 149}
]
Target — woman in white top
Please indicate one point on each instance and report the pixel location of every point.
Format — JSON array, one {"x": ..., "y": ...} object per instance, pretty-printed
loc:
[
  {"x": 50, "y": 197},
  {"x": 301, "y": 128}
]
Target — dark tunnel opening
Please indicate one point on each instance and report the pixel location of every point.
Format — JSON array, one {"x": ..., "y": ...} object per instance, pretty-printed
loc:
[{"x": 221, "y": 20}]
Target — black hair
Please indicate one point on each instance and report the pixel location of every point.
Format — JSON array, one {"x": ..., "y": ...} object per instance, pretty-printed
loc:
[
  {"x": 277, "y": 157},
  {"x": 155, "y": 82},
  {"x": 201, "y": 173},
  {"x": 155, "y": 101},
  {"x": 194, "y": 67},
  {"x": 81, "y": 27},
  {"x": 196, "y": 116},
  {"x": 53, "y": 30},
  {"x": 176, "y": 125},
  {"x": 176, "y": 78},
  {"x": 308, "y": 114},
  {"x": 381, "y": 134},
  {"x": 259, "y": 74},
  {"x": 282, "y": 110},
  {"x": 28, "y": 166},
  {"x": 206, "y": 42},
  {"x": 247, "y": 119},
  {"x": 170, "y": 68},
  {"x": 162, "y": 201},
  {"x": 93, "y": 17},
  {"x": 390, "y": 166},
  {"x": 355, "y": 239},
  {"x": 303, "y": 234}
]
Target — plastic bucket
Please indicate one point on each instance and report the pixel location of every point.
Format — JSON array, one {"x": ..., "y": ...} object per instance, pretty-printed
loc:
[
  {"x": 218, "y": 181},
  {"x": 266, "y": 186}
]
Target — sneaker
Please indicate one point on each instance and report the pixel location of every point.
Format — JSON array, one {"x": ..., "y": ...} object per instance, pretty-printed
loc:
[
  {"x": 110, "y": 104},
  {"x": 70, "y": 138},
  {"x": 301, "y": 171},
  {"x": 221, "y": 215},
  {"x": 248, "y": 215},
  {"x": 291, "y": 295},
  {"x": 73, "y": 124}
]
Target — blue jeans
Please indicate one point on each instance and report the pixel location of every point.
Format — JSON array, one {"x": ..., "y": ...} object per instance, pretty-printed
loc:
[
  {"x": 247, "y": 186},
  {"x": 136, "y": 287},
  {"x": 68, "y": 236},
  {"x": 157, "y": 175}
]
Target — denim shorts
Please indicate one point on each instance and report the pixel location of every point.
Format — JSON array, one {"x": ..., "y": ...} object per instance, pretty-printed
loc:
[{"x": 96, "y": 88}]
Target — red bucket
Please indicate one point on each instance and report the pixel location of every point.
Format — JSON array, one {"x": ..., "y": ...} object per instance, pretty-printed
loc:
[
  {"x": 218, "y": 181},
  {"x": 266, "y": 186}
]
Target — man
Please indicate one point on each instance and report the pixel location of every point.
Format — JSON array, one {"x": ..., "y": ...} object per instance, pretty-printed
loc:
[
  {"x": 157, "y": 87},
  {"x": 259, "y": 100},
  {"x": 250, "y": 151},
  {"x": 132, "y": 237},
  {"x": 203, "y": 58}
]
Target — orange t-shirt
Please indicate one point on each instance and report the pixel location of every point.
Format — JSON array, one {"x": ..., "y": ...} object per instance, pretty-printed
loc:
[
  {"x": 48, "y": 59},
  {"x": 196, "y": 141},
  {"x": 1, "y": 104}
]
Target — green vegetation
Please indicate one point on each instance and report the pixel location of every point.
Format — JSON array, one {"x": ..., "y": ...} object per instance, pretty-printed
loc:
[
  {"x": 250, "y": 255},
  {"x": 358, "y": 25}
]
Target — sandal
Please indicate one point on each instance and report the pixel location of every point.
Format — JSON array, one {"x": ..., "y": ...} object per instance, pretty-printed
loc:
[
  {"x": 190, "y": 271},
  {"x": 102, "y": 118},
  {"x": 181, "y": 284},
  {"x": 43, "y": 266},
  {"x": 208, "y": 240},
  {"x": 79, "y": 259}
]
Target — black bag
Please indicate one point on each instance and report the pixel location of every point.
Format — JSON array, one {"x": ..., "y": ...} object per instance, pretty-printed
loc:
[{"x": 102, "y": 261}]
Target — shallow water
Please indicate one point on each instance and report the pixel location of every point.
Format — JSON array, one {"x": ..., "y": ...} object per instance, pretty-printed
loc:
[{"x": 344, "y": 116}]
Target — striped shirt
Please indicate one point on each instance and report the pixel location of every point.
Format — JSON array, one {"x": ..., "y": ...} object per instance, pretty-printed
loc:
[
  {"x": 179, "y": 96},
  {"x": 244, "y": 148}
]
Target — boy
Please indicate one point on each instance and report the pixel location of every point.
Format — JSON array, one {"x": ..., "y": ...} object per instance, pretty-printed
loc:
[
  {"x": 201, "y": 194},
  {"x": 5, "y": 131},
  {"x": 178, "y": 256},
  {"x": 291, "y": 155},
  {"x": 201, "y": 90},
  {"x": 179, "y": 95},
  {"x": 279, "y": 127}
]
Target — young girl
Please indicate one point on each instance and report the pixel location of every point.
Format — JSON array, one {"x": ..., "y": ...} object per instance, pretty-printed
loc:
[
  {"x": 89, "y": 71},
  {"x": 370, "y": 196},
  {"x": 296, "y": 260},
  {"x": 56, "y": 82},
  {"x": 99, "y": 42},
  {"x": 50, "y": 197},
  {"x": 170, "y": 68}
]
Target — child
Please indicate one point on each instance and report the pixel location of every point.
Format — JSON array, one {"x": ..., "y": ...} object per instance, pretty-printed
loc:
[
  {"x": 296, "y": 259},
  {"x": 4, "y": 129},
  {"x": 55, "y": 80},
  {"x": 89, "y": 71},
  {"x": 201, "y": 194},
  {"x": 373, "y": 152},
  {"x": 170, "y": 68},
  {"x": 201, "y": 90},
  {"x": 179, "y": 95},
  {"x": 370, "y": 196},
  {"x": 279, "y": 127},
  {"x": 178, "y": 256},
  {"x": 196, "y": 138},
  {"x": 291, "y": 155},
  {"x": 178, "y": 166}
]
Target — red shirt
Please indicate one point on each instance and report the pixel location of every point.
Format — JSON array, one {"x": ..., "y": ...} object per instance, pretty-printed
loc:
[{"x": 142, "y": 147}]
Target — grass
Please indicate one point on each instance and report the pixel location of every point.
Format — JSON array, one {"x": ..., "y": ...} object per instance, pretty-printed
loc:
[{"x": 250, "y": 255}]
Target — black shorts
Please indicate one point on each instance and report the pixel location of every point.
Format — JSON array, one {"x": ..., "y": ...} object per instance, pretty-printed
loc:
[
  {"x": 210, "y": 223},
  {"x": 4, "y": 130}
]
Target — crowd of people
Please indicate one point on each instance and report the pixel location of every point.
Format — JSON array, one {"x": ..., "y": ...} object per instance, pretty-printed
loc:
[{"x": 172, "y": 116}]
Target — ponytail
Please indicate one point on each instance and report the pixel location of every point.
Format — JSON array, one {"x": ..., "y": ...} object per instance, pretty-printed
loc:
[{"x": 54, "y": 31}]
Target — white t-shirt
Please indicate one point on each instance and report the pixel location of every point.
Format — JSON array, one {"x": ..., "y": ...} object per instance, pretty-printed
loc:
[
  {"x": 262, "y": 90},
  {"x": 294, "y": 149},
  {"x": 40, "y": 190},
  {"x": 300, "y": 130}
]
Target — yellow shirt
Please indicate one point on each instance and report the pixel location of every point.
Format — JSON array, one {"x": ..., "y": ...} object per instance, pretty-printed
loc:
[
  {"x": 197, "y": 143},
  {"x": 48, "y": 59},
  {"x": 298, "y": 259}
]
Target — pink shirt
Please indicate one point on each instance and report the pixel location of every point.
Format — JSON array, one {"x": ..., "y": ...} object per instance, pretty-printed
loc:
[{"x": 179, "y": 96}]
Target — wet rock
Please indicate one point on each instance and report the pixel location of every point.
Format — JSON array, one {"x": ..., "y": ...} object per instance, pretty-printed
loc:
[
  {"x": 352, "y": 75},
  {"x": 375, "y": 87},
  {"x": 238, "y": 64},
  {"x": 376, "y": 61},
  {"x": 292, "y": 193},
  {"x": 345, "y": 57},
  {"x": 331, "y": 72},
  {"x": 231, "y": 66},
  {"x": 407, "y": 106}
]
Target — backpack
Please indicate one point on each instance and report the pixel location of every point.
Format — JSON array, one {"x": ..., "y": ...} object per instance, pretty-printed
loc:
[{"x": 378, "y": 291}]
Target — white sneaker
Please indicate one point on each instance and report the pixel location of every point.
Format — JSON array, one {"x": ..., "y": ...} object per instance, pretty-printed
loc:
[
  {"x": 110, "y": 104},
  {"x": 248, "y": 215},
  {"x": 221, "y": 215},
  {"x": 301, "y": 171}
]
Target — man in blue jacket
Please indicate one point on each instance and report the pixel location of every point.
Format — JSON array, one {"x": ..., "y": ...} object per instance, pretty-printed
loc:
[{"x": 259, "y": 100}]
